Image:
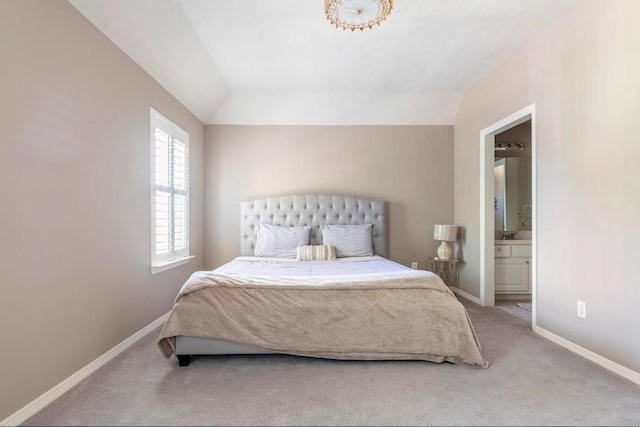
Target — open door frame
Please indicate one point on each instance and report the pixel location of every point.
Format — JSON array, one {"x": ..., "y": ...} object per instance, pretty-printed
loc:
[{"x": 487, "y": 225}]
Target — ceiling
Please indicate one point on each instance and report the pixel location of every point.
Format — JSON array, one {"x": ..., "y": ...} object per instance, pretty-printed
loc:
[{"x": 281, "y": 62}]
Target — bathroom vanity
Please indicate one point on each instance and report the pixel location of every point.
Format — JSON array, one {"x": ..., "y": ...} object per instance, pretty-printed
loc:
[{"x": 512, "y": 269}]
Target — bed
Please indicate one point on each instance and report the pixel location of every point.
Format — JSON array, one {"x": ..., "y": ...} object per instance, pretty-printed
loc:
[{"x": 351, "y": 303}]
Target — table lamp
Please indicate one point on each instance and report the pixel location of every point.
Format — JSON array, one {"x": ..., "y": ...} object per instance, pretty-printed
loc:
[{"x": 446, "y": 234}]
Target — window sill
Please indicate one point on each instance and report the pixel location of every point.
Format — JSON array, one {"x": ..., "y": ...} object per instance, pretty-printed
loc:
[{"x": 171, "y": 264}]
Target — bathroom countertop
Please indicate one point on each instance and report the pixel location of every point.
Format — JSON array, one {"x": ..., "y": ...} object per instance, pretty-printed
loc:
[{"x": 513, "y": 242}]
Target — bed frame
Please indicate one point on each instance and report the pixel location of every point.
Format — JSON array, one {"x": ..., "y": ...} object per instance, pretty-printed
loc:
[{"x": 314, "y": 210}]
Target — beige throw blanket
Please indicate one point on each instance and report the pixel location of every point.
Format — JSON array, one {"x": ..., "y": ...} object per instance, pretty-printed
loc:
[{"x": 391, "y": 316}]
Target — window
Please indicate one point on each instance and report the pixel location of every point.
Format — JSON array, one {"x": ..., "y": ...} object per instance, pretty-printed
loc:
[{"x": 169, "y": 194}]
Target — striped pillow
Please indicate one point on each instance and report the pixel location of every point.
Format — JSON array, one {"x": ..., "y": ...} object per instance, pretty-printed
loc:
[{"x": 316, "y": 253}]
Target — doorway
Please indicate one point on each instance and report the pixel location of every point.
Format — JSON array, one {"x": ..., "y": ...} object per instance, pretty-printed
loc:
[{"x": 487, "y": 206}]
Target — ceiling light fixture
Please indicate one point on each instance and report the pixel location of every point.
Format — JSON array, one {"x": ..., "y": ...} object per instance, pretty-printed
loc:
[{"x": 357, "y": 14}]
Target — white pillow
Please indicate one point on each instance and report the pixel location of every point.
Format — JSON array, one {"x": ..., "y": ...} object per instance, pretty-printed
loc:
[
  {"x": 280, "y": 241},
  {"x": 349, "y": 240}
]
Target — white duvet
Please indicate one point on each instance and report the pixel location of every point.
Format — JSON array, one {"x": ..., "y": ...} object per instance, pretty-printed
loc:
[{"x": 259, "y": 266}]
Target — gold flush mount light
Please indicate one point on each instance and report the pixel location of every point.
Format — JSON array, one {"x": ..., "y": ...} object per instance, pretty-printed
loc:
[{"x": 357, "y": 14}]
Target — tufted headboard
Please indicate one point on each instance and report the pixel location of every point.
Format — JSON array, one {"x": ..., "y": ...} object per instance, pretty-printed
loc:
[{"x": 314, "y": 210}]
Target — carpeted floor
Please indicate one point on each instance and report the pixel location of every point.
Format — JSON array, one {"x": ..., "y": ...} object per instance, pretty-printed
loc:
[
  {"x": 512, "y": 307},
  {"x": 531, "y": 382}
]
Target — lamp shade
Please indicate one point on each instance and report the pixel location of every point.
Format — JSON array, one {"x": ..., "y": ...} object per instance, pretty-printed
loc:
[{"x": 445, "y": 232}]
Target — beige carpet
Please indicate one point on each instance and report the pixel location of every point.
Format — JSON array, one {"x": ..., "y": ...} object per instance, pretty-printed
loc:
[
  {"x": 531, "y": 382},
  {"x": 511, "y": 307}
]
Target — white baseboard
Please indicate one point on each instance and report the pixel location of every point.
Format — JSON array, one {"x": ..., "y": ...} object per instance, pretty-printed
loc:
[
  {"x": 23, "y": 414},
  {"x": 467, "y": 296},
  {"x": 512, "y": 297},
  {"x": 614, "y": 367}
]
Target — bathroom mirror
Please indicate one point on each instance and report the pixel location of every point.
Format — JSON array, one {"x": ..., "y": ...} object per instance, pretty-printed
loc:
[{"x": 512, "y": 194}]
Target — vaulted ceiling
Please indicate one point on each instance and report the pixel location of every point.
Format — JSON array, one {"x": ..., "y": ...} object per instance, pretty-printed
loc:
[{"x": 281, "y": 62}]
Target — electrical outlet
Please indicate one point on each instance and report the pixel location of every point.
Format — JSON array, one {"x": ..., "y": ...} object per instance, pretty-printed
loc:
[
  {"x": 414, "y": 265},
  {"x": 582, "y": 309}
]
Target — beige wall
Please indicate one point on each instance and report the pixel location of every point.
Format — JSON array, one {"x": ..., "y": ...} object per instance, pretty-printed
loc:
[
  {"x": 410, "y": 166},
  {"x": 75, "y": 168},
  {"x": 582, "y": 73}
]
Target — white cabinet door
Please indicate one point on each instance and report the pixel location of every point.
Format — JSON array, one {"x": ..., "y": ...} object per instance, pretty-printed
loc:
[{"x": 512, "y": 275}]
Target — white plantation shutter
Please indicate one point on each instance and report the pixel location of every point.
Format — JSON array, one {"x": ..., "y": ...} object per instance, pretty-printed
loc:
[{"x": 170, "y": 192}]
